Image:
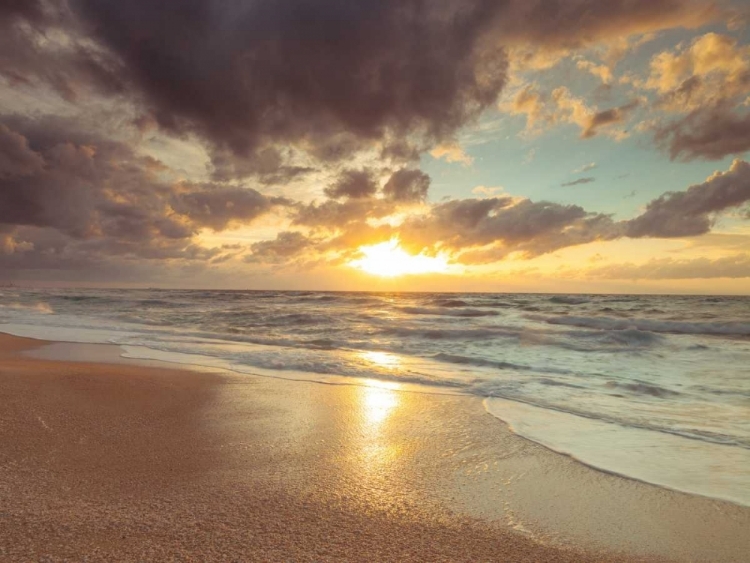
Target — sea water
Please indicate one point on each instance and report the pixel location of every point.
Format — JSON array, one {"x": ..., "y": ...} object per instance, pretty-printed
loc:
[{"x": 656, "y": 388}]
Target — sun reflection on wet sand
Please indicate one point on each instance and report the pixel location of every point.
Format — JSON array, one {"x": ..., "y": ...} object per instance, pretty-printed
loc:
[
  {"x": 373, "y": 458},
  {"x": 379, "y": 398}
]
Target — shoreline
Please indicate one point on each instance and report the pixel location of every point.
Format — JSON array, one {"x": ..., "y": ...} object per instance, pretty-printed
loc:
[
  {"x": 643, "y": 439},
  {"x": 345, "y": 456}
]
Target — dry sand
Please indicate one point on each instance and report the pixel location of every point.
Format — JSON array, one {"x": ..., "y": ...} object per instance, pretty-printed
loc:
[{"x": 123, "y": 462}]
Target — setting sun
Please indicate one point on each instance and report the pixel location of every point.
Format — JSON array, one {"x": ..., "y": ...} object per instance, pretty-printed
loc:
[{"x": 388, "y": 259}]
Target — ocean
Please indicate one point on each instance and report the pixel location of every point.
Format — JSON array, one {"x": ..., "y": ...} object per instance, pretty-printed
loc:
[{"x": 655, "y": 388}]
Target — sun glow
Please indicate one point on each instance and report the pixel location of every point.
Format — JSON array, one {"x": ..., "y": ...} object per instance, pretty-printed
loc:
[{"x": 388, "y": 260}]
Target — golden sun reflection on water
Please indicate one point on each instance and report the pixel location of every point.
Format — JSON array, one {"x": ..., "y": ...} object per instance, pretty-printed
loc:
[{"x": 382, "y": 359}]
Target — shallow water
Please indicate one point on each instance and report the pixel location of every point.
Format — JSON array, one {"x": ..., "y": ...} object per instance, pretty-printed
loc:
[{"x": 673, "y": 369}]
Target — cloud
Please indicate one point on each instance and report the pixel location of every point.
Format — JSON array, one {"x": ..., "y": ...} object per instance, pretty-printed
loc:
[
  {"x": 485, "y": 191},
  {"x": 721, "y": 241},
  {"x": 407, "y": 186},
  {"x": 331, "y": 214},
  {"x": 217, "y": 207},
  {"x": 451, "y": 152},
  {"x": 560, "y": 106},
  {"x": 711, "y": 69},
  {"x": 255, "y": 81},
  {"x": 601, "y": 71},
  {"x": 692, "y": 212},
  {"x": 710, "y": 133},
  {"x": 16, "y": 158},
  {"x": 253, "y": 76},
  {"x": 585, "y": 168},
  {"x": 31, "y": 10},
  {"x": 591, "y": 124},
  {"x": 356, "y": 197},
  {"x": 487, "y": 230},
  {"x": 735, "y": 266},
  {"x": 286, "y": 245},
  {"x": 41, "y": 43},
  {"x": 353, "y": 184},
  {"x": 70, "y": 195},
  {"x": 704, "y": 83},
  {"x": 11, "y": 245},
  {"x": 541, "y": 34},
  {"x": 278, "y": 92},
  {"x": 530, "y": 103},
  {"x": 580, "y": 23},
  {"x": 510, "y": 224},
  {"x": 579, "y": 181}
]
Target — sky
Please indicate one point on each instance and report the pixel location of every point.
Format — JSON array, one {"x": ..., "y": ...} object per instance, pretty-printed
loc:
[{"x": 473, "y": 145}]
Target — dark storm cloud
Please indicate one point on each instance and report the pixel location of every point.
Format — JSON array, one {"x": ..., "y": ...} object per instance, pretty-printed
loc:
[
  {"x": 586, "y": 180},
  {"x": 407, "y": 186},
  {"x": 709, "y": 133},
  {"x": 251, "y": 75},
  {"x": 30, "y": 10},
  {"x": 85, "y": 185},
  {"x": 216, "y": 206},
  {"x": 353, "y": 184},
  {"x": 267, "y": 164},
  {"x": 103, "y": 198},
  {"x": 327, "y": 77},
  {"x": 689, "y": 213},
  {"x": 41, "y": 42},
  {"x": 16, "y": 158}
]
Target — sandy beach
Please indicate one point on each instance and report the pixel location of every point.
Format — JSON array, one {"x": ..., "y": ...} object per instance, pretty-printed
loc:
[{"x": 118, "y": 461}]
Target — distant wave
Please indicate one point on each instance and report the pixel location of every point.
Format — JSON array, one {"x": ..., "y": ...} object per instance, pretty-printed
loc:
[
  {"x": 640, "y": 388},
  {"x": 450, "y": 303},
  {"x": 480, "y": 362},
  {"x": 451, "y": 334},
  {"x": 493, "y": 303},
  {"x": 652, "y": 325},
  {"x": 448, "y": 312},
  {"x": 39, "y": 307},
  {"x": 622, "y": 337},
  {"x": 568, "y": 300}
]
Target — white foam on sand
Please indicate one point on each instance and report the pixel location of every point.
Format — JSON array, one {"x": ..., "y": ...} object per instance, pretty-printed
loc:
[
  {"x": 675, "y": 462},
  {"x": 79, "y": 334}
]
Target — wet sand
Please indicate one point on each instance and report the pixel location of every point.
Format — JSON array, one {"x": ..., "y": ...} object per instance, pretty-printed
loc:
[{"x": 116, "y": 461}]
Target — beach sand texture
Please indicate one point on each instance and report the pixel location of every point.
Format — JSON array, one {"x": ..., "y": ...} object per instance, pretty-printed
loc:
[{"x": 125, "y": 462}]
